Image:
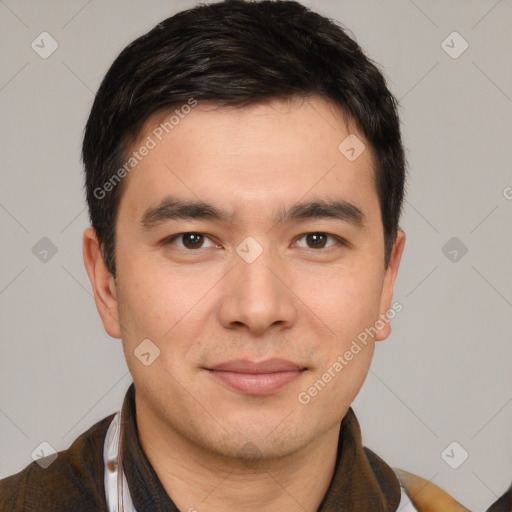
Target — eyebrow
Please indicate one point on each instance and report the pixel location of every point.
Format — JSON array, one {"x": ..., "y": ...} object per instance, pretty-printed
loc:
[
  {"x": 171, "y": 208},
  {"x": 338, "y": 209}
]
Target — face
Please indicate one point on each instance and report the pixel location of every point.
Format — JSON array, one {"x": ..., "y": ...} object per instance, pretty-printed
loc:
[{"x": 280, "y": 257}]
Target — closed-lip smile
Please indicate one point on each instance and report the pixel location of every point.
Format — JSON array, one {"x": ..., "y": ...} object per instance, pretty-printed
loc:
[{"x": 256, "y": 378}]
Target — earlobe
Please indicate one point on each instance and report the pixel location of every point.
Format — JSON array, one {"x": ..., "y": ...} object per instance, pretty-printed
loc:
[
  {"x": 389, "y": 284},
  {"x": 103, "y": 284}
]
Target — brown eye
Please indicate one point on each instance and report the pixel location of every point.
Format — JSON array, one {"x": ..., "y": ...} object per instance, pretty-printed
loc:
[
  {"x": 316, "y": 240},
  {"x": 190, "y": 240}
]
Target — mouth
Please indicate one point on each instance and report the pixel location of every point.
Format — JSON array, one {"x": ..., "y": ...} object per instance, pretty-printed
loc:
[{"x": 256, "y": 379}]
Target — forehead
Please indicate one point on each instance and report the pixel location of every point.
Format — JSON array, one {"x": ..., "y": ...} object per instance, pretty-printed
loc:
[{"x": 271, "y": 153}]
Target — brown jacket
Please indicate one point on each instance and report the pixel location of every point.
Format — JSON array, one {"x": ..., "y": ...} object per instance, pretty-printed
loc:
[{"x": 74, "y": 481}]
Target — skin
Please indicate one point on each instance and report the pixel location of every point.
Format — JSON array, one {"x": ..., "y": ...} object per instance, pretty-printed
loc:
[{"x": 205, "y": 306}]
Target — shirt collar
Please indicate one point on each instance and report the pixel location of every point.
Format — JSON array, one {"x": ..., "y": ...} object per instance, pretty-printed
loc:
[{"x": 361, "y": 480}]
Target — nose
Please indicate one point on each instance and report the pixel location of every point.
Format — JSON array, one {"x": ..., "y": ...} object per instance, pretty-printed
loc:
[{"x": 256, "y": 296}]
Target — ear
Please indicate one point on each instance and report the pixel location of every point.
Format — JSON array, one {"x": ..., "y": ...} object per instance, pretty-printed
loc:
[
  {"x": 103, "y": 283},
  {"x": 389, "y": 284}
]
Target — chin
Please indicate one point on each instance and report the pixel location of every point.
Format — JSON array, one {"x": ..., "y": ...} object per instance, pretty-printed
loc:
[{"x": 257, "y": 441}]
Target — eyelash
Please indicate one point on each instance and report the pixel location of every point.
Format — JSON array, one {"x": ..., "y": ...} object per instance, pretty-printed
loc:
[{"x": 339, "y": 240}]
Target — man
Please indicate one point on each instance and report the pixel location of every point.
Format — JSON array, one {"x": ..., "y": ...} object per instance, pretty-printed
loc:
[{"x": 245, "y": 178}]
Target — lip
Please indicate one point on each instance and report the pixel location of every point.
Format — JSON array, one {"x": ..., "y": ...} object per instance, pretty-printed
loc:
[
  {"x": 267, "y": 366},
  {"x": 256, "y": 378}
]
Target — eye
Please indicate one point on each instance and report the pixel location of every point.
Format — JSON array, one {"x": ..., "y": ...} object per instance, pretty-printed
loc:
[
  {"x": 318, "y": 240},
  {"x": 190, "y": 240}
]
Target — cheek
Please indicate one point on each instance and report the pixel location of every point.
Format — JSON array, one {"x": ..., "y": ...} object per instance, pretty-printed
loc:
[
  {"x": 162, "y": 304},
  {"x": 345, "y": 298},
  {"x": 330, "y": 391},
  {"x": 148, "y": 302}
]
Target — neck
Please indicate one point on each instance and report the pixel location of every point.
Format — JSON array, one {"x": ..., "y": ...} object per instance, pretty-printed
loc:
[{"x": 198, "y": 481}]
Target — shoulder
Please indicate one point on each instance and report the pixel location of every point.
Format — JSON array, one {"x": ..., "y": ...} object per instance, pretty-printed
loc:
[
  {"x": 427, "y": 496},
  {"x": 74, "y": 477}
]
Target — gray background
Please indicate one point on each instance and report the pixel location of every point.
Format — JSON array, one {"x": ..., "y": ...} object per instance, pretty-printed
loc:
[{"x": 443, "y": 376}]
